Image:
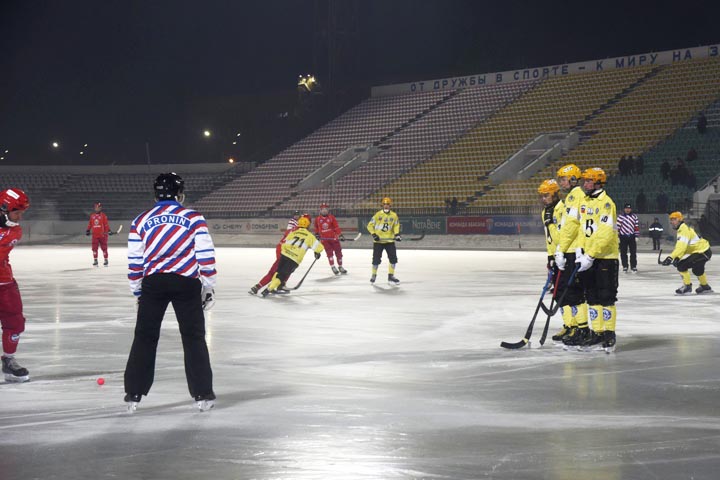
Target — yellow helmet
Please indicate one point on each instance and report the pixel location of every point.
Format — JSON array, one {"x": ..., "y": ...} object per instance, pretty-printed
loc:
[
  {"x": 386, "y": 201},
  {"x": 549, "y": 186},
  {"x": 570, "y": 170},
  {"x": 595, "y": 174},
  {"x": 676, "y": 216},
  {"x": 303, "y": 222}
]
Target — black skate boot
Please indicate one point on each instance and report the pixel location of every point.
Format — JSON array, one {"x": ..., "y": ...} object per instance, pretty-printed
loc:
[
  {"x": 579, "y": 338},
  {"x": 703, "y": 289},
  {"x": 132, "y": 400},
  {"x": 13, "y": 371},
  {"x": 572, "y": 331},
  {"x": 282, "y": 289},
  {"x": 342, "y": 270},
  {"x": 609, "y": 341},
  {"x": 266, "y": 292},
  {"x": 372, "y": 278},
  {"x": 105, "y": 263},
  {"x": 392, "y": 279},
  {"x": 624, "y": 269},
  {"x": 254, "y": 289},
  {"x": 560, "y": 334},
  {"x": 205, "y": 402},
  {"x": 95, "y": 263},
  {"x": 593, "y": 342},
  {"x": 684, "y": 290},
  {"x": 335, "y": 270}
]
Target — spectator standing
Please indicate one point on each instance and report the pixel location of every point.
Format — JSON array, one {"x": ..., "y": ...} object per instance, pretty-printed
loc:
[
  {"x": 656, "y": 231},
  {"x": 702, "y": 124},
  {"x": 641, "y": 201},
  {"x": 665, "y": 169},
  {"x": 628, "y": 230},
  {"x": 662, "y": 201},
  {"x": 639, "y": 165},
  {"x": 453, "y": 206}
]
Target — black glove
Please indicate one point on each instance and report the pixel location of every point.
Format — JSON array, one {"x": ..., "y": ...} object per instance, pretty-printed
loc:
[
  {"x": 341, "y": 237},
  {"x": 398, "y": 238},
  {"x": 551, "y": 262},
  {"x": 667, "y": 261},
  {"x": 675, "y": 262},
  {"x": 87, "y": 232},
  {"x": 375, "y": 237},
  {"x": 317, "y": 255},
  {"x": 111, "y": 232}
]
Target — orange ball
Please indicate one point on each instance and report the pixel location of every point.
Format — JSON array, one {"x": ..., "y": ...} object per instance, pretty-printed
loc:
[{"x": 101, "y": 381}]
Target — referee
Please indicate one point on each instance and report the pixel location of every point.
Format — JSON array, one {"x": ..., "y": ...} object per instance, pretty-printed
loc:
[{"x": 628, "y": 229}]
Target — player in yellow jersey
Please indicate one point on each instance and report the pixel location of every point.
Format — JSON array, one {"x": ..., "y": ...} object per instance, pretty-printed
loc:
[
  {"x": 551, "y": 214},
  {"x": 573, "y": 306},
  {"x": 384, "y": 227},
  {"x": 598, "y": 262},
  {"x": 691, "y": 253},
  {"x": 292, "y": 253}
]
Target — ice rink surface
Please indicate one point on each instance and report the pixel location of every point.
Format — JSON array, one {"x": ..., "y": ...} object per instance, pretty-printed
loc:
[{"x": 344, "y": 380}]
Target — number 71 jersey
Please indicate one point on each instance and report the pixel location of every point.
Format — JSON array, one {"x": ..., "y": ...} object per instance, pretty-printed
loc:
[{"x": 298, "y": 242}]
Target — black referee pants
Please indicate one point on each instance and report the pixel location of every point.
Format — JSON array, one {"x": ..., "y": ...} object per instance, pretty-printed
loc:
[
  {"x": 628, "y": 242},
  {"x": 184, "y": 293}
]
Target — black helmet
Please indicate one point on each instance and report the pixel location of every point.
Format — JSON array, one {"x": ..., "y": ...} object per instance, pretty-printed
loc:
[{"x": 169, "y": 186}]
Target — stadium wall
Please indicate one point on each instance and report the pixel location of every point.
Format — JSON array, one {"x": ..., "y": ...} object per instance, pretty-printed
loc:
[{"x": 652, "y": 58}]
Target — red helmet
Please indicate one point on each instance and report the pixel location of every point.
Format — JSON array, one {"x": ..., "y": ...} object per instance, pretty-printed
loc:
[
  {"x": 324, "y": 205},
  {"x": 13, "y": 199},
  {"x": 97, "y": 205}
]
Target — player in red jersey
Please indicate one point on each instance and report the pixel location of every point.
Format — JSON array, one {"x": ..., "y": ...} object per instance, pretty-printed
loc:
[
  {"x": 278, "y": 252},
  {"x": 13, "y": 203},
  {"x": 99, "y": 227},
  {"x": 328, "y": 232}
]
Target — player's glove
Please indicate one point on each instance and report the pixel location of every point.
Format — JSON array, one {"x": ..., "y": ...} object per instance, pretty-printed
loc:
[
  {"x": 551, "y": 262},
  {"x": 208, "y": 298},
  {"x": 375, "y": 237},
  {"x": 317, "y": 255},
  {"x": 341, "y": 237},
  {"x": 560, "y": 260},
  {"x": 398, "y": 238},
  {"x": 111, "y": 232},
  {"x": 667, "y": 261},
  {"x": 585, "y": 262},
  {"x": 87, "y": 232}
]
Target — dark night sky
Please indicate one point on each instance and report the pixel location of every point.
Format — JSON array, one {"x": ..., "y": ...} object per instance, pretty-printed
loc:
[{"x": 116, "y": 74}]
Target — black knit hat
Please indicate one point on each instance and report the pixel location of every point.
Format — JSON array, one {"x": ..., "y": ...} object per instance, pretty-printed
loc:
[{"x": 627, "y": 205}]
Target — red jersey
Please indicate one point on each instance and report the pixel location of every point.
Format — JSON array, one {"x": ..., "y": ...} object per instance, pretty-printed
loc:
[
  {"x": 9, "y": 237},
  {"x": 327, "y": 227},
  {"x": 98, "y": 225}
]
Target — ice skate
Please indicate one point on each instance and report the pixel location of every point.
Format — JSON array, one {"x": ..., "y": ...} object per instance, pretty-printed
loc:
[
  {"x": 608, "y": 341},
  {"x": 105, "y": 263},
  {"x": 684, "y": 290},
  {"x": 703, "y": 289},
  {"x": 95, "y": 263},
  {"x": 342, "y": 270},
  {"x": 393, "y": 280},
  {"x": 372, "y": 278},
  {"x": 266, "y": 292},
  {"x": 13, "y": 371},
  {"x": 254, "y": 289},
  {"x": 634, "y": 270},
  {"x": 594, "y": 341},
  {"x": 578, "y": 338},
  {"x": 557, "y": 338},
  {"x": 624, "y": 269},
  {"x": 205, "y": 402},
  {"x": 335, "y": 270},
  {"x": 132, "y": 400}
]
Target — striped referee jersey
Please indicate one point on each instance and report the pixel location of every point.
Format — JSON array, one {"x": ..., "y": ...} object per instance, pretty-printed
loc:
[
  {"x": 628, "y": 225},
  {"x": 170, "y": 238}
]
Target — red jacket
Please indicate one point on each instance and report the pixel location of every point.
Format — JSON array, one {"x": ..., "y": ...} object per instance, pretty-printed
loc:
[
  {"x": 9, "y": 236},
  {"x": 327, "y": 227},
  {"x": 98, "y": 225}
]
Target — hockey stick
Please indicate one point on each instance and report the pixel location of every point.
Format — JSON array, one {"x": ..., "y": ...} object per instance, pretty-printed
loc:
[
  {"x": 553, "y": 310},
  {"x": 660, "y": 255},
  {"x": 416, "y": 238},
  {"x": 526, "y": 339},
  {"x": 303, "y": 277},
  {"x": 357, "y": 237}
]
